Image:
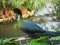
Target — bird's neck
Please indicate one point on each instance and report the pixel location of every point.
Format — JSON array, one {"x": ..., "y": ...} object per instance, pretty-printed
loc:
[{"x": 19, "y": 17}]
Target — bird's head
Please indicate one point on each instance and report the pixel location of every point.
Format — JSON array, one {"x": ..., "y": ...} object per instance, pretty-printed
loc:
[{"x": 18, "y": 13}]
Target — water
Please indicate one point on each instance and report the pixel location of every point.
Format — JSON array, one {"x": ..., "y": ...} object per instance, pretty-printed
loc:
[
  {"x": 48, "y": 9},
  {"x": 8, "y": 31}
]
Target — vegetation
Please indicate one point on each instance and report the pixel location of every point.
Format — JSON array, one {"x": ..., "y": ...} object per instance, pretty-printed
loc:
[
  {"x": 8, "y": 42},
  {"x": 43, "y": 40},
  {"x": 57, "y": 7},
  {"x": 6, "y": 7},
  {"x": 34, "y": 4},
  {"x": 28, "y": 7},
  {"x": 10, "y": 3}
]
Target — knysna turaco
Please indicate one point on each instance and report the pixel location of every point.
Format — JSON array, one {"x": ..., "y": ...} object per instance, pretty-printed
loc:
[{"x": 34, "y": 30}]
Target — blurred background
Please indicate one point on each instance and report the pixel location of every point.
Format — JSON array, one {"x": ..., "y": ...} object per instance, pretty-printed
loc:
[{"x": 45, "y": 13}]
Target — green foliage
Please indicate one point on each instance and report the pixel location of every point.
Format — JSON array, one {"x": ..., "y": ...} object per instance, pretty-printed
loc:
[
  {"x": 57, "y": 4},
  {"x": 42, "y": 37},
  {"x": 7, "y": 42},
  {"x": 29, "y": 4},
  {"x": 39, "y": 4},
  {"x": 1, "y": 4},
  {"x": 42, "y": 41},
  {"x": 34, "y": 4},
  {"x": 13, "y": 3},
  {"x": 34, "y": 42},
  {"x": 10, "y": 3}
]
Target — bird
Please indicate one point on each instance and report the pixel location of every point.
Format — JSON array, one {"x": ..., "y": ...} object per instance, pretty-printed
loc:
[
  {"x": 32, "y": 29},
  {"x": 17, "y": 10},
  {"x": 18, "y": 13}
]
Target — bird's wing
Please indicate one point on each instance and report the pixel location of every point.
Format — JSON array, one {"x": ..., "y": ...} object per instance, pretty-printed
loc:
[{"x": 30, "y": 26}]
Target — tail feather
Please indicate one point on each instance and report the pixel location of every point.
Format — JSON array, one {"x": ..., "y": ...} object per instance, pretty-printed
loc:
[
  {"x": 47, "y": 33},
  {"x": 52, "y": 33}
]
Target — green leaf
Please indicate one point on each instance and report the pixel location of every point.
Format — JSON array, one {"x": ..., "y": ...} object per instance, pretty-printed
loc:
[
  {"x": 1, "y": 41},
  {"x": 8, "y": 40},
  {"x": 42, "y": 37},
  {"x": 34, "y": 42}
]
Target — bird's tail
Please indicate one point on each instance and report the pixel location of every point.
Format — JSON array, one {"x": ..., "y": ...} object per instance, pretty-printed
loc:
[{"x": 51, "y": 33}]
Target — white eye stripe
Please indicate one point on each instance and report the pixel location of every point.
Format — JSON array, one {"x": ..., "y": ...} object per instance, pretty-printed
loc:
[{"x": 18, "y": 18}]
